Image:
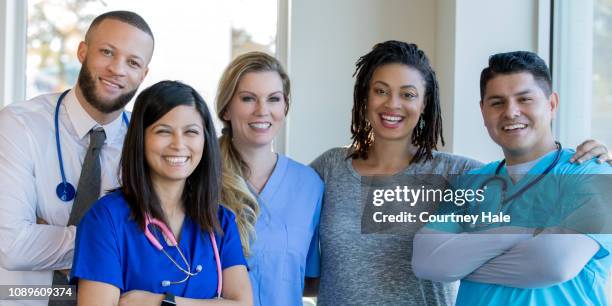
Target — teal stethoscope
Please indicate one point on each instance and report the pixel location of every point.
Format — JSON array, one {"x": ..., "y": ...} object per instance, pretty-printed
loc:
[
  {"x": 504, "y": 185},
  {"x": 64, "y": 190}
]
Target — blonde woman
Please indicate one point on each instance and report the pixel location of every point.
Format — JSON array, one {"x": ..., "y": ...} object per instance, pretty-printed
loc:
[{"x": 276, "y": 200}]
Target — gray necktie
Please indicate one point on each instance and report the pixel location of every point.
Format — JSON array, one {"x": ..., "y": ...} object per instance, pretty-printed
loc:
[
  {"x": 88, "y": 189},
  {"x": 88, "y": 192}
]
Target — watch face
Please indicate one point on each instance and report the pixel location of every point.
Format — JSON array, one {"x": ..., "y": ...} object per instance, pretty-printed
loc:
[
  {"x": 168, "y": 303},
  {"x": 168, "y": 300}
]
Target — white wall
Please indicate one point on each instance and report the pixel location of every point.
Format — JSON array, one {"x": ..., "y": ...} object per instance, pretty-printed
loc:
[
  {"x": 445, "y": 66},
  {"x": 326, "y": 39},
  {"x": 484, "y": 27}
]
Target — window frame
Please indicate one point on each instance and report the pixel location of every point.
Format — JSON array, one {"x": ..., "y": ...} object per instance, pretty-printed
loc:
[
  {"x": 13, "y": 24},
  {"x": 572, "y": 69}
]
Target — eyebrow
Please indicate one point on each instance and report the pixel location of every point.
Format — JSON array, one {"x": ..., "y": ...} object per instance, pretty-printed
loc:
[
  {"x": 524, "y": 92},
  {"x": 170, "y": 127},
  {"x": 252, "y": 93},
  {"x": 131, "y": 55},
  {"x": 402, "y": 87}
]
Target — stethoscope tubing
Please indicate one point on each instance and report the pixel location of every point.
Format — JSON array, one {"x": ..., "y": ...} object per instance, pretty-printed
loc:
[
  {"x": 67, "y": 188},
  {"x": 504, "y": 184},
  {"x": 532, "y": 183},
  {"x": 172, "y": 242}
]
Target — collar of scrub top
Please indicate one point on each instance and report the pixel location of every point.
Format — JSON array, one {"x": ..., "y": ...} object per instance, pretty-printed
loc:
[
  {"x": 82, "y": 123},
  {"x": 167, "y": 233},
  {"x": 504, "y": 184}
]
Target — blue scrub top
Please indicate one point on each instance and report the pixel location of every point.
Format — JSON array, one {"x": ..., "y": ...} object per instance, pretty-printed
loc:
[
  {"x": 111, "y": 248},
  {"x": 587, "y": 288},
  {"x": 286, "y": 246}
]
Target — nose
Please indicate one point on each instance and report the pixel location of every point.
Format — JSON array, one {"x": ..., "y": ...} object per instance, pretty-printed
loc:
[
  {"x": 178, "y": 141},
  {"x": 117, "y": 66},
  {"x": 261, "y": 108},
  {"x": 393, "y": 102},
  {"x": 512, "y": 109}
]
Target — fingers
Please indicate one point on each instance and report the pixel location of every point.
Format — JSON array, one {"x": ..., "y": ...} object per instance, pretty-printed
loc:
[
  {"x": 582, "y": 149},
  {"x": 605, "y": 158},
  {"x": 590, "y": 149}
]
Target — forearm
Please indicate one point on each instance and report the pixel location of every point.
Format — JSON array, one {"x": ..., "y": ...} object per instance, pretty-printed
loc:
[
  {"x": 25, "y": 245},
  {"x": 37, "y": 247},
  {"x": 236, "y": 290},
  {"x": 445, "y": 257},
  {"x": 542, "y": 261},
  {"x": 180, "y": 301}
]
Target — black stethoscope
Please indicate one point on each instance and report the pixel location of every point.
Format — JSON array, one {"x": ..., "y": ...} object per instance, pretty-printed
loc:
[
  {"x": 64, "y": 190},
  {"x": 504, "y": 185}
]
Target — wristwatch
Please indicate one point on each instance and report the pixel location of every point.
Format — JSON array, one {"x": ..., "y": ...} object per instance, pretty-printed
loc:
[{"x": 168, "y": 300}]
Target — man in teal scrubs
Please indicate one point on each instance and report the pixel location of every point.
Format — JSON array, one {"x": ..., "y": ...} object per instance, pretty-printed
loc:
[{"x": 527, "y": 267}]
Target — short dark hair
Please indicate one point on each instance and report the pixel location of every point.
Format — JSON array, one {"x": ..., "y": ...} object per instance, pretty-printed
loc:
[
  {"x": 202, "y": 188},
  {"x": 128, "y": 17},
  {"x": 391, "y": 52},
  {"x": 515, "y": 62}
]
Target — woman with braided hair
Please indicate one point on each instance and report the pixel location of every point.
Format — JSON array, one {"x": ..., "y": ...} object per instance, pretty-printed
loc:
[{"x": 396, "y": 126}]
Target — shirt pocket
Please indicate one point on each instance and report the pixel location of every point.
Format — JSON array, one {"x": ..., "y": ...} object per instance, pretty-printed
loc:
[{"x": 298, "y": 241}]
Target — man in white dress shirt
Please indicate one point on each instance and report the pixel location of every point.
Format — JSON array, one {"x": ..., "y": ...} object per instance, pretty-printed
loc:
[{"x": 115, "y": 55}]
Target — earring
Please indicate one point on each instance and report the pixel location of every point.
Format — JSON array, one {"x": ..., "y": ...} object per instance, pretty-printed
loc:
[
  {"x": 420, "y": 128},
  {"x": 421, "y": 123}
]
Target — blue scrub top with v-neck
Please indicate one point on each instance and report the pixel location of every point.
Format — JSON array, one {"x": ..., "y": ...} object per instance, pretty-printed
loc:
[
  {"x": 111, "y": 248},
  {"x": 286, "y": 247}
]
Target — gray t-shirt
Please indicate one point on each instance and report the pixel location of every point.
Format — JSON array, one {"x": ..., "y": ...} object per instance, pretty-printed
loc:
[{"x": 371, "y": 269}]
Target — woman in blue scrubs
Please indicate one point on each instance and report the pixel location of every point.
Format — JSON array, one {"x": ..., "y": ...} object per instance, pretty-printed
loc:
[
  {"x": 276, "y": 200},
  {"x": 170, "y": 174}
]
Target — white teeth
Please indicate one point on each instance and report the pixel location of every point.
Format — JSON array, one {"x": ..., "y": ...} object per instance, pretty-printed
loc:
[
  {"x": 263, "y": 125},
  {"x": 109, "y": 83},
  {"x": 391, "y": 118},
  {"x": 176, "y": 160},
  {"x": 514, "y": 127}
]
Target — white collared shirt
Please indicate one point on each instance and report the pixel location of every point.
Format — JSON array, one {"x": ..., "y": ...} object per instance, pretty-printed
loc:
[{"x": 29, "y": 175}]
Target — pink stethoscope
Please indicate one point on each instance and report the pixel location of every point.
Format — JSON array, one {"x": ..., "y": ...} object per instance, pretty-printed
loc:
[{"x": 172, "y": 242}]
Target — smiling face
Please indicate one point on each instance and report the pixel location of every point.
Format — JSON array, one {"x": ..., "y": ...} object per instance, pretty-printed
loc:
[
  {"x": 257, "y": 109},
  {"x": 518, "y": 114},
  {"x": 395, "y": 101},
  {"x": 174, "y": 145},
  {"x": 114, "y": 62}
]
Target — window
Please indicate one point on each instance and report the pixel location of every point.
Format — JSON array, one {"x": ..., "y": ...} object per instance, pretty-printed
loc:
[
  {"x": 582, "y": 70},
  {"x": 195, "y": 39},
  {"x": 601, "y": 122}
]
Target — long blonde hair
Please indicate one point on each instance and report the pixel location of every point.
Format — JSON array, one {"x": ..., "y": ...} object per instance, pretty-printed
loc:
[{"x": 235, "y": 193}]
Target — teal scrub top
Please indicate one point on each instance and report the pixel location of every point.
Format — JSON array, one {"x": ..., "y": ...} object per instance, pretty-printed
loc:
[
  {"x": 587, "y": 288},
  {"x": 285, "y": 249}
]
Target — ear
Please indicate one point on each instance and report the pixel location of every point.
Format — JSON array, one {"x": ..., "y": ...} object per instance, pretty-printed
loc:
[
  {"x": 82, "y": 52},
  {"x": 146, "y": 71},
  {"x": 482, "y": 110},
  {"x": 554, "y": 104},
  {"x": 226, "y": 115}
]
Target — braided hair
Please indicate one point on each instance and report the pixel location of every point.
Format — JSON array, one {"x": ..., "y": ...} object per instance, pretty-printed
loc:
[{"x": 424, "y": 136}]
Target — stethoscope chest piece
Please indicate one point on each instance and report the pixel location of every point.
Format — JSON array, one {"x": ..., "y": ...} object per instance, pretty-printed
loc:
[{"x": 65, "y": 191}]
